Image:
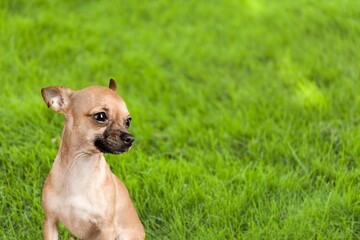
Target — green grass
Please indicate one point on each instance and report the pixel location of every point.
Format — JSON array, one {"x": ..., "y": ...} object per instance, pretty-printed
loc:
[{"x": 245, "y": 112}]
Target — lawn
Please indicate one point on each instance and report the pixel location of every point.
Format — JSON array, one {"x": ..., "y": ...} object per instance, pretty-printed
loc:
[{"x": 246, "y": 113}]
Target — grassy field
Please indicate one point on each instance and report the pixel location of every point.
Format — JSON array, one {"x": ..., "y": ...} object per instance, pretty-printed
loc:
[{"x": 246, "y": 113}]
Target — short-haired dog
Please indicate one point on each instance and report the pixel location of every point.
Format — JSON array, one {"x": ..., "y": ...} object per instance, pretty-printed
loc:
[{"x": 80, "y": 190}]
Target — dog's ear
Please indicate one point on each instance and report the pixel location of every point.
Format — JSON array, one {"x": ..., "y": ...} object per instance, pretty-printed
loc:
[
  {"x": 57, "y": 98},
  {"x": 112, "y": 84}
]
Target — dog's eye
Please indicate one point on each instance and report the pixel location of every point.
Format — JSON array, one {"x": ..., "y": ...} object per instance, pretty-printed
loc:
[
  {"x": 100, "y": 117},
  {"x": 127, "y": 123}
]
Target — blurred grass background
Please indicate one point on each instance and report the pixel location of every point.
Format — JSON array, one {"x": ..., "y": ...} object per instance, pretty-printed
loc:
[{"x": 245, "y": 112}]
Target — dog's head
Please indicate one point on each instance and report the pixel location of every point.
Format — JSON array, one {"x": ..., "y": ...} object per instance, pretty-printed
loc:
[{"x": 97, "y": 118}]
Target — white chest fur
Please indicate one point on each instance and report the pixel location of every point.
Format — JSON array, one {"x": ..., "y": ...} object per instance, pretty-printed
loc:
[{"x": 81, "y": 196}]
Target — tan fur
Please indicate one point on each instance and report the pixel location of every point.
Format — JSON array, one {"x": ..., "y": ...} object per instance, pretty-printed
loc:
[{"x": 80, "y": 190}]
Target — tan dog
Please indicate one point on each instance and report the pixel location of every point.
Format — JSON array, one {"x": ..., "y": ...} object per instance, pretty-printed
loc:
[{"x": 80, "y": 190}]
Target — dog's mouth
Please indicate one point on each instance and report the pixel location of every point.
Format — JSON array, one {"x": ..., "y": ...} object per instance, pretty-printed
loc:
[{"x": 114, "y": 143}]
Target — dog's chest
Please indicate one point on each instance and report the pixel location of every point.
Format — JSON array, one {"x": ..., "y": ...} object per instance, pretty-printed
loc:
[
  {"x": 82, "y": 214},
  {"x": 76, "y": 215},
  {"x": 81, "y": 199},
  {"x": 80, "y": 208}
]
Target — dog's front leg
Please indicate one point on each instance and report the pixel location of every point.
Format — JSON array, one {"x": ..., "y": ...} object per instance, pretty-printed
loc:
[
  {"x": 107, "y": 232},
  {"x": 50, "y": 229}
]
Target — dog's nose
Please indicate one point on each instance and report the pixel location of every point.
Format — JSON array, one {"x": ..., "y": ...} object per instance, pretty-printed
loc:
[{"x": 127, "y": 138}]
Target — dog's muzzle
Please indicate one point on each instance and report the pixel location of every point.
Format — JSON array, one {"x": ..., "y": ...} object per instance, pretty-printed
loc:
[{"x": 114, "y": 142}]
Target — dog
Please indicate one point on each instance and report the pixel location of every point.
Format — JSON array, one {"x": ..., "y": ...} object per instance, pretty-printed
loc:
[{"x": 80, "y": 190}]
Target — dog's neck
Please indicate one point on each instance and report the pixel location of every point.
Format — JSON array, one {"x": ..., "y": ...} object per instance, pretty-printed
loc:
[
  {"x": 72, "y": 151},
  {"x": 74, "y": 164}
]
